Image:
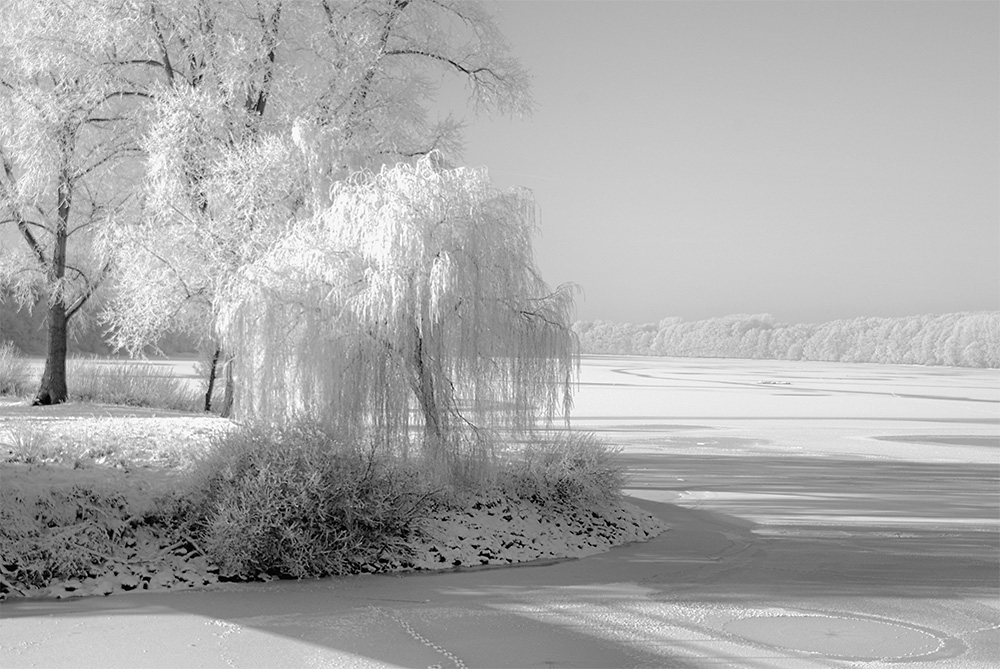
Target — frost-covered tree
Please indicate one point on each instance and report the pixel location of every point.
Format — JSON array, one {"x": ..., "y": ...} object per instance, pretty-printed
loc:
[
  {"x": 260, "y": 107},
  {"x": 66, "y": 137},
  {"x": 212, "y": 172},
  {"x": 414, "y": 291}
]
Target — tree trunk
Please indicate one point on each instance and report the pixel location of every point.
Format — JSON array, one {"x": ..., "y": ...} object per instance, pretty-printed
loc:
[
  {"x": 423, "y": 387},
  {"x": 428, "y": 403},
  {"x": 212, "y": 370},
  {"x": 227, "y": 401},
  {"x": 53, "y": 387}
]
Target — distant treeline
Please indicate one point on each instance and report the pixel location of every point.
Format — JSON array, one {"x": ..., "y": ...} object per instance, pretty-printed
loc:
[{"x": 960, "y": 340}]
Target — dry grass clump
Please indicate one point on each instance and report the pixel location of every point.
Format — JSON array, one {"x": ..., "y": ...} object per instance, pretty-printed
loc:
[
  {"x": 128, "y": 383},
  {"x": 31, "y": 443},
  {"x": 105, "y": 381},
  {"x": 570, "y": 468},
  {"x": 15, "y": 374}
]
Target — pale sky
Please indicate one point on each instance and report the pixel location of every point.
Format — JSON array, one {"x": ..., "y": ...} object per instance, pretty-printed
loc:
[{"x": 813, "y": 160}]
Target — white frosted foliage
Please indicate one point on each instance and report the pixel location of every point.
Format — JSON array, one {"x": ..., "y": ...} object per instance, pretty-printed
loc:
[{"x": 412, "y": 300}]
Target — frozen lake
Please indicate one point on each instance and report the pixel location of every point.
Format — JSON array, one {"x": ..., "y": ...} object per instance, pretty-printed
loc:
[{"x": 792, "y": 442}]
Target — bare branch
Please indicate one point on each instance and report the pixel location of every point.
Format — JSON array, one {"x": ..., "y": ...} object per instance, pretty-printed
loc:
[
  {"x": 270, "y": 43},
  {"x": 22, "y": 224},
  {"x": 138, "y": 61},
  {"x": 90, "y": 289},
  {"x": 127, "y": 94},
  {"x": 168, "y": 68},
  {"x": 470, "y": 71}
]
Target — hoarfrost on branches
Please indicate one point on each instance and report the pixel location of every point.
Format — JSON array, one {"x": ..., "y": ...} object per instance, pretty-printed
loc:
[{"x": 415, "y": 290}]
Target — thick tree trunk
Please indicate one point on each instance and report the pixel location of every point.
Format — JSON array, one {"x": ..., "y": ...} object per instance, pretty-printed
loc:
[
  {"x": 428, "y": 403},
  {"x": 53, "y": 387},
  {"x": 423, "y": 388}
]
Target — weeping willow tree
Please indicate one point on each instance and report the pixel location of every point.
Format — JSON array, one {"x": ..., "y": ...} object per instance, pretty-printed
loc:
[{"x": 411, "y": 304}]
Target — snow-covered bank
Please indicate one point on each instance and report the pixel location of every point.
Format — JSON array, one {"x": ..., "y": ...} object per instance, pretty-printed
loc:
[{"x": 490, "y": 532}]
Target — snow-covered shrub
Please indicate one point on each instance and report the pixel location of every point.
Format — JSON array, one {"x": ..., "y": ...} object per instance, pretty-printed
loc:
[
  {"x": 573, "y": 468},
  {"x": 297, "y": 501}
]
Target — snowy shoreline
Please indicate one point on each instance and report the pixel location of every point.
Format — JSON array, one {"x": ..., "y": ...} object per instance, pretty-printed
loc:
[{"x": 491, "y": 533}]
